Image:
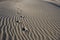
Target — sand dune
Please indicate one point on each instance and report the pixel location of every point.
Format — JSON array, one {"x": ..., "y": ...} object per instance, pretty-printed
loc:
[{"x": 29, "y": 20}]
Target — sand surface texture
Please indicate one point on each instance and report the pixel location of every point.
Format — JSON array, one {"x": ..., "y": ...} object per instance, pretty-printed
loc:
[{"x": 29, "y": 20}]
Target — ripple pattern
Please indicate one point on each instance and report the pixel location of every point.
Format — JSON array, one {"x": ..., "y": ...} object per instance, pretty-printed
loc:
[{"x": 36, "y": 28}]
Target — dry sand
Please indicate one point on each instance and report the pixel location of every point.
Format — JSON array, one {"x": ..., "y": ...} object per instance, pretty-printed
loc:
[{"x": 41, "y": 20}]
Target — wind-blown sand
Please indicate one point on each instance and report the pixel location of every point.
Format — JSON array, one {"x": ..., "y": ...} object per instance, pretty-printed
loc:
[{"x": 41, "y": 20}]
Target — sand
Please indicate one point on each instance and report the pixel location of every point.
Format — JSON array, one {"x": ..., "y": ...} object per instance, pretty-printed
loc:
[{"x": 29, "y": 20}]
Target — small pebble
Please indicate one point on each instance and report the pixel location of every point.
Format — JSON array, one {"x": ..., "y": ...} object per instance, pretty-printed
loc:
[
  {"x": 22, "y": 16},
  {"x": 23, "y": 29},
  {"x": 17, "y": 21}
]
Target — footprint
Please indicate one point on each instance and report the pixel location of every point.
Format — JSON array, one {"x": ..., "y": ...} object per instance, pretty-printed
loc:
[{"x": 19, "y": 11}]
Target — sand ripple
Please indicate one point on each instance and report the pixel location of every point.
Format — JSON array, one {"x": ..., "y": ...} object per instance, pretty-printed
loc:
[{"x": 38, "y": 28}]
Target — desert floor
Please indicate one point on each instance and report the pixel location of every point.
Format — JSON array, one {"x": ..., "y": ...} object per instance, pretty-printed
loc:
[{"x": 29, "y": 20}]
